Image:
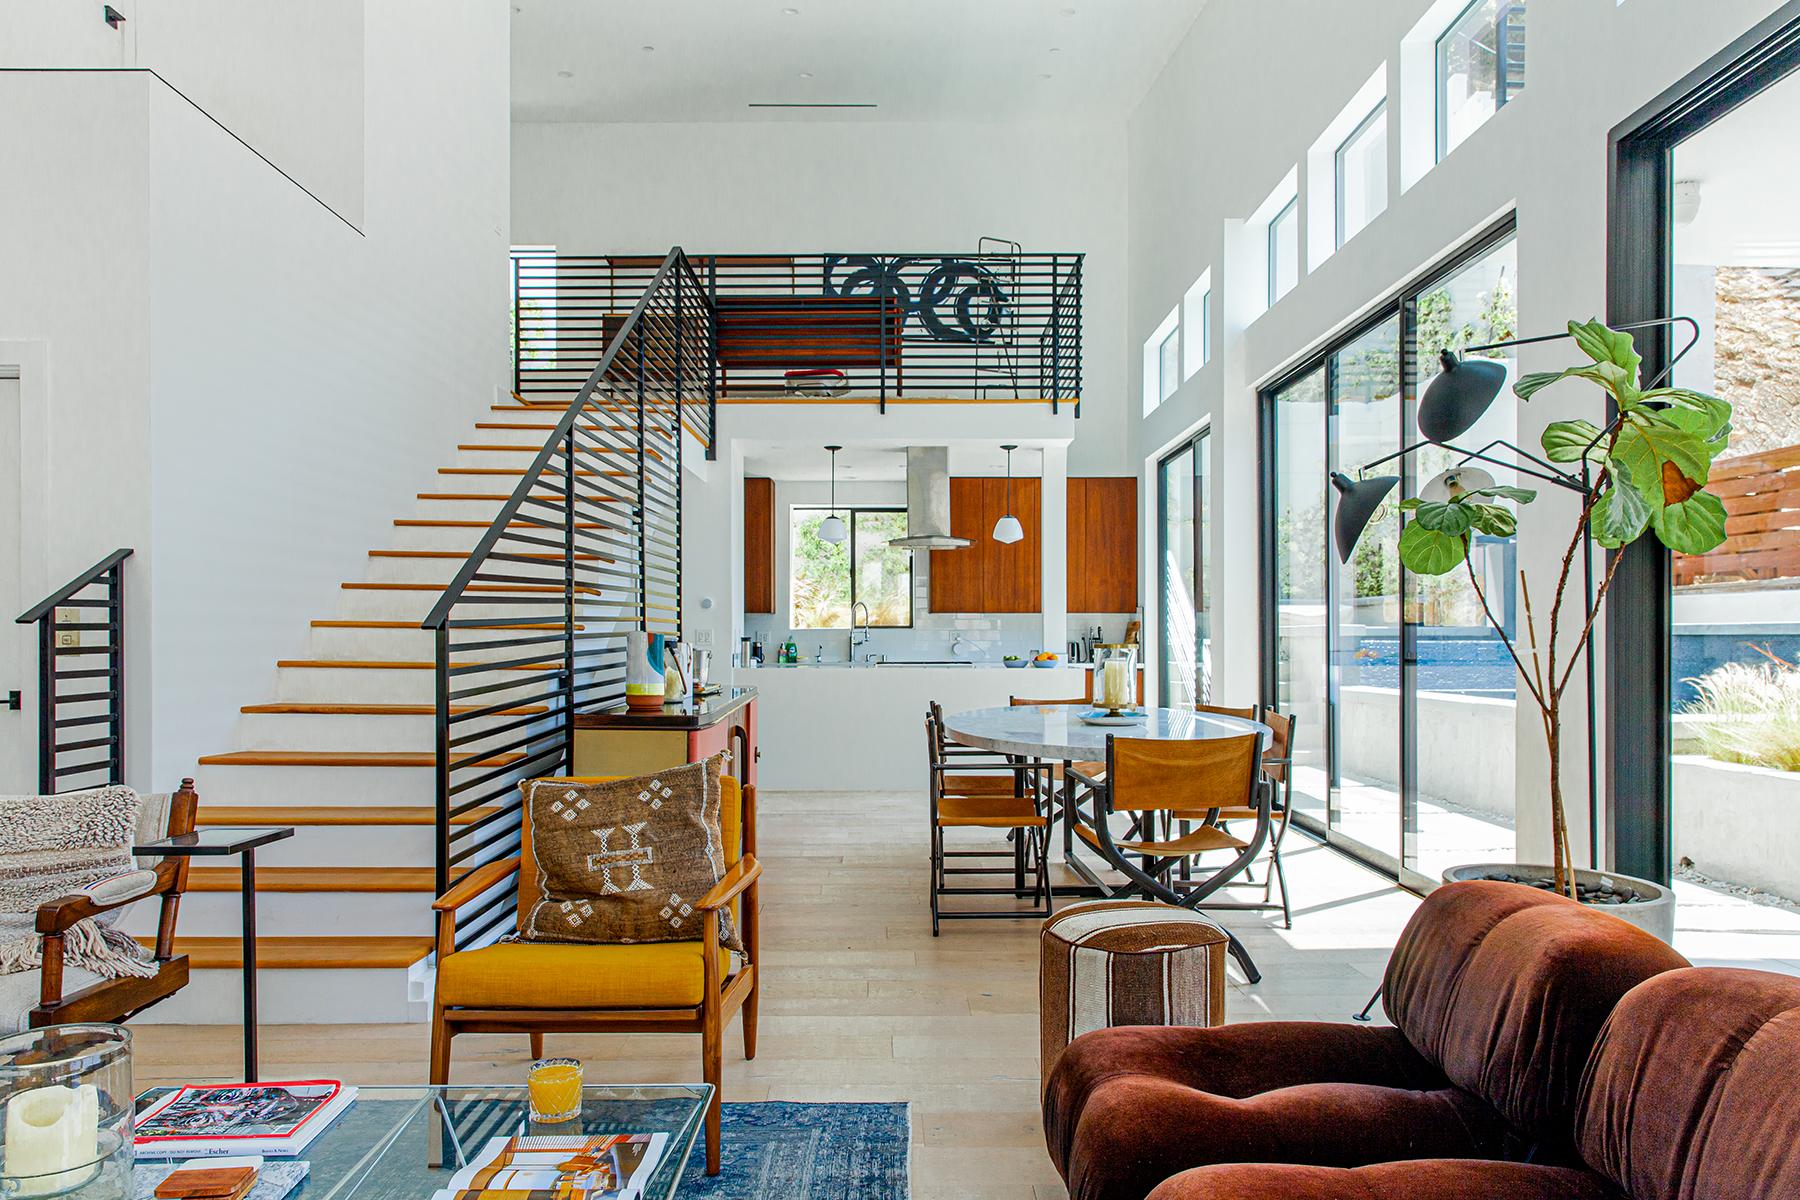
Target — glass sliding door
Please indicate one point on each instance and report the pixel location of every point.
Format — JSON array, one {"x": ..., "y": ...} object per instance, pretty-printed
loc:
[
  {"x": 1462, "y": 706},
  {"x": 1364, "y": 613},
  {"x": 1184, "y": 587},
  {"x": 1733, "y": 656},
  {"x": 1297, "y": 559},
  {"x": 1403, "y": 697}
]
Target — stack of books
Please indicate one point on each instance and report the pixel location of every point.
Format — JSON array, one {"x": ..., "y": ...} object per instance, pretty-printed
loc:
[{"x": 273, "y": 1120}]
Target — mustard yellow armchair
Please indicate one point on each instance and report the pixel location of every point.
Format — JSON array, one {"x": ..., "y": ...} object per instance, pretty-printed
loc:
[{"x": 663, "y": 987}]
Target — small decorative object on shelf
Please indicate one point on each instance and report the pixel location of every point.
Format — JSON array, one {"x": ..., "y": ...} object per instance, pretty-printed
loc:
[
  {"x": 65, "y": 1107},
  {"x": 1115, "y": 678},
  {"x": 645, "y": 680},
  {"x": 554, "y": 1085}
]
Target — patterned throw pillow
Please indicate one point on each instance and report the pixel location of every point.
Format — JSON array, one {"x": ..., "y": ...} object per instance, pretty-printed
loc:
[{"x": 626, "y": 860}]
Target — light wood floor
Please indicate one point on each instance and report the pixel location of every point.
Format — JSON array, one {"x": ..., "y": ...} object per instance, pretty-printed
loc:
[{"x": 861, "y": 1003}]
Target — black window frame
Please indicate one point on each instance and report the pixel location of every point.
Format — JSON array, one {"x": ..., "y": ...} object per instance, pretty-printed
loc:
[
  {"x": 1199, "y": 445},
  {"x": 848, "y": 512},
  {"x": 1501, "y": 95},
  {"x": 1639, "y": 729}
]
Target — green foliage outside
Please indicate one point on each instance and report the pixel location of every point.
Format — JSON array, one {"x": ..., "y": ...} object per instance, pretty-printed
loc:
[
  {"x": 1752, "y": 713},
  {"x": 820, "y": 571}
]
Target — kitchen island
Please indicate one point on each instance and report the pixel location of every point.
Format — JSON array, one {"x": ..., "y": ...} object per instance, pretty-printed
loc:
[{"x": 836, "y": 727}]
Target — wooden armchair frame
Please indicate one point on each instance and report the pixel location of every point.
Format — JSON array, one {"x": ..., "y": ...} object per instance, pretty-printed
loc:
[
  {"x": 118, "y": 999},
  {"x": 721, "y": 998}
]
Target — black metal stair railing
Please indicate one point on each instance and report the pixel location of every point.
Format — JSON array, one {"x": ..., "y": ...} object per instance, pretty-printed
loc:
[
  {"x": 993, "y": 327},
  {"x": 81, "y": 678},
  {"x": 586, "y": 548}
]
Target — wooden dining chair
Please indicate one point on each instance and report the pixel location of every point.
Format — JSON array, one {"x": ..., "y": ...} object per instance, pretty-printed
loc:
[
  {"x": 1183, "y": 780},
  {"x": 1225, "y": 710},
  {"x": 1071, "y": 781},
  {"x": 971, "y": 789},
  {"x": 1277, "y": 761}
]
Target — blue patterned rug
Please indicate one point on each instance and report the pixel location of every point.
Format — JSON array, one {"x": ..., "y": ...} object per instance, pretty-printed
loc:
[{"x": 780, "y": 1151}]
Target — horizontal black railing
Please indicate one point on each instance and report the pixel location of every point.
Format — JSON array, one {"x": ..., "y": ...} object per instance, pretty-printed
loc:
[
  {"x": 81, "y": 678},
  {"x": 995, "y": 326},
  {"x": 586, "y": 548}
]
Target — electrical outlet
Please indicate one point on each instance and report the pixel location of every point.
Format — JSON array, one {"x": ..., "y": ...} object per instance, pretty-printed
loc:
[
  {"x": 703, "y": 638},
  {"x": 67, "y": 637}
]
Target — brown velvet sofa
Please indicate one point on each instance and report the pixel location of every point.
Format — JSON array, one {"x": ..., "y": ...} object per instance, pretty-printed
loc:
[{"x": 1497, "y": 992}]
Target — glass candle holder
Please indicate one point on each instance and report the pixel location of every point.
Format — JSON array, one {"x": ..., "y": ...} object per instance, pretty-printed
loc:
[
  {"x": 1115, "y": 677},
  {"x": 554, "y": 1085},
  {"x": 66, "y": 1111}
]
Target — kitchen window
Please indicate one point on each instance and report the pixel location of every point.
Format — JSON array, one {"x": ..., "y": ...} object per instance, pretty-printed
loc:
[{"x": 826, "y": 580}]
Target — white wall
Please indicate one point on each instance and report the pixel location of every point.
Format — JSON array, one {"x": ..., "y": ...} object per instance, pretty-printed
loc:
[
  {"x": 827, "y": 186},
  {"x": 241, "y": 385},
  {"x": 285, "y": 78},
  {"x": 1213, "y": 136}
]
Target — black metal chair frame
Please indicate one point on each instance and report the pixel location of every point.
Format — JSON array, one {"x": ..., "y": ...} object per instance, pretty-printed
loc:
[
  {"x": 1028, "y": 854},
  {"x": 1151, "y": 877}
]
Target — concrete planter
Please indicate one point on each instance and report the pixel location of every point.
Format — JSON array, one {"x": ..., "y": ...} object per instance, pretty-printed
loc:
[
  {"x": 1654, "y": 913},
  {"x": 1738, "y": 823}
]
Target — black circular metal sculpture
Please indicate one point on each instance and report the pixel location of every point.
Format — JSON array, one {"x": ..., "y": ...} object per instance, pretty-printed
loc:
[{"x": 977, "y": 305}]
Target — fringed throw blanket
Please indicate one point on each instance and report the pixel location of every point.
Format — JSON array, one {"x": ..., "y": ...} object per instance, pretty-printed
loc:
[{"x": 56, "y": 846}]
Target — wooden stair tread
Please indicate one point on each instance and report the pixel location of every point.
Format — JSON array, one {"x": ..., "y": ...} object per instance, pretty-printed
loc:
[
  {"x": 524, "y": 448},
  {"x": 359, "y": 664},
  {"x": 316, "y": 879},
  {"x": 303, "y": 953},
  {"x": 331, "y": 814},
  {"x": 579, "y": 471},
  {"x": 501, "y": 499},
  {"x": 295, "y": 707},
  {"x": 346, "y": 758},
  {"x": 424, "y": 523},
  {"x": 459, "y": 555},
  {"x": 507, "y": 589},
  {"x": 415, "y": 625}
]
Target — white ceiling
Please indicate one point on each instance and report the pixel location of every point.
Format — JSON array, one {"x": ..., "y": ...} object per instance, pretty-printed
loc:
[
  {"x": 918, "y": 60},
  {"x": 1747, "y": 182},
  {"x": 866, "y": 462}
]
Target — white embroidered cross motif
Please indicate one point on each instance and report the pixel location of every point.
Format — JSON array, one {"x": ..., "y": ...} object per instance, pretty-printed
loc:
[
  {"x": 676, "y": 910},
  {"x": 636, "y": 856}
]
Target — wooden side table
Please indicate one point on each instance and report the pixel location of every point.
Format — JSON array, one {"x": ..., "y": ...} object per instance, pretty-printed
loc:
[{"x": 219, "y": 843}]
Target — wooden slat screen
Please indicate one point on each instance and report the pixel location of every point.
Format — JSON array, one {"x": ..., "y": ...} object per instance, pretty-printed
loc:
[{"x": 1762, "y": 527}]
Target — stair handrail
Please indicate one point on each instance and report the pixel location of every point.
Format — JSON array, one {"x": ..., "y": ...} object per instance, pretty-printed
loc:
[
  {"x": 38, "y": 611},
  {"x": 676, "y": 259}
]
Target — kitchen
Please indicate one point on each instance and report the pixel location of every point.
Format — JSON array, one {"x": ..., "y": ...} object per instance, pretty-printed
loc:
[{"x": 967, "y": 573}]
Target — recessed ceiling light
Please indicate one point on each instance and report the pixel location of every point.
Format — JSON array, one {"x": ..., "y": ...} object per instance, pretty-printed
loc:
[
  {"x": 806, "y": 75},
  {"x": 648, "y": 49},
  {"x": 565, "y": 74},
  {"x": 1068, "y": 12},
  {"x": 1044, "y": 75},
  {"x": 791, "y": 12},
  {"x": 1056, "y": 49}
]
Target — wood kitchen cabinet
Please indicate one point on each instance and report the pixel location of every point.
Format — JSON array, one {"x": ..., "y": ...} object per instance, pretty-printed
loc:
[
  {"x": 759, "y": 545},
  {"x": 986, "y": 576},
  {"x": 1103, "y": 545}
]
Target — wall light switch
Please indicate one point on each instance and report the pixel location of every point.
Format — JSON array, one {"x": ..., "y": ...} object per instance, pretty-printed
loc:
[
  {"x": 703, "y": 638},
  {"x": 68, "y": 637}
]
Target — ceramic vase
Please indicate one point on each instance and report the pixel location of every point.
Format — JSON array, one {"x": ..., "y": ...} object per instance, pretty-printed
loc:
[{"x": 644, "y": 681}]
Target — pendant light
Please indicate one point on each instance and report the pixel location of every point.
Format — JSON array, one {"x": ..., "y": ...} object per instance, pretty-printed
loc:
[
  {"x": 1007, "y": 529},
  {"x": 831, "y": 529}
]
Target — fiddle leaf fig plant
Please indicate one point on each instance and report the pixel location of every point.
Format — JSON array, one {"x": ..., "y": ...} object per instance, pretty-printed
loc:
[{"x": 1647, "y": 472}]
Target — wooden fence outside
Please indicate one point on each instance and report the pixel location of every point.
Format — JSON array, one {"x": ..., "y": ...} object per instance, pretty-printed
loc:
[{"x": 1762, "y": 526}]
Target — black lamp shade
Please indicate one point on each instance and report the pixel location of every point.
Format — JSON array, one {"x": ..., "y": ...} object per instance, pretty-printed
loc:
[
  {"x": 1357, "y": 501},
  {"x": 1455, "y": 400}
]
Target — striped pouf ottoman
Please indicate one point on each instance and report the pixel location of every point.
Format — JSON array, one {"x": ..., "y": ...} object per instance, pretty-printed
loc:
[{"x": 1126, "y": 962}]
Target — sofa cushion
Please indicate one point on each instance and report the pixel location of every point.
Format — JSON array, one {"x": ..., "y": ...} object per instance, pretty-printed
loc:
[
  {"x": 1505, "y": 988},
  {"x": 1423, "y": 1179},
  {"x": 552, "y": 975},
  {"x": 1690, "y": 1095},
  {"x": 1128, "y": 1107}
]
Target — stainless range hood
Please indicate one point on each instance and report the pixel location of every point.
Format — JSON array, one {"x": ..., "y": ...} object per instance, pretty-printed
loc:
[{"x": 928, "y": 501}]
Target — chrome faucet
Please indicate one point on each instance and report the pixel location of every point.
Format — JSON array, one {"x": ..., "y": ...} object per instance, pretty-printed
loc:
[{"x": 854, "y": 640}]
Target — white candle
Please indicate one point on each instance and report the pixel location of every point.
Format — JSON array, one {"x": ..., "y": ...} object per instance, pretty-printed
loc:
[
  {"x": 50, "y": 1131},
  {"x": 1115, "y": 688}
]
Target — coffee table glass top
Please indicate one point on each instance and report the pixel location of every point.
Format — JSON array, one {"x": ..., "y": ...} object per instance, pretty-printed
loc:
[{"x": 404, "y": 1143}]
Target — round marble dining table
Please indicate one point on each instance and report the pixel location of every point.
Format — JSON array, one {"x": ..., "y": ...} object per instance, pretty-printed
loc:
[{"x": 1057, "y": 733}]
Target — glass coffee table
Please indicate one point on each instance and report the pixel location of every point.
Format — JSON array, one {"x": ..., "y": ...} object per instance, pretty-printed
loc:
[{"x": 404, "y": 1143}]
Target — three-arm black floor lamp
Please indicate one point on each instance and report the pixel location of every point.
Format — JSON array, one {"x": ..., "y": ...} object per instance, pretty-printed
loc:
[{"x": 1452, "y": 404}]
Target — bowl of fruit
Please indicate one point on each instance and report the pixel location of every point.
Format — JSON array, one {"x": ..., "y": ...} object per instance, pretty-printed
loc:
[
  {"x": 1012, "y": 662},
  {"x": 1044, "y": 659}
]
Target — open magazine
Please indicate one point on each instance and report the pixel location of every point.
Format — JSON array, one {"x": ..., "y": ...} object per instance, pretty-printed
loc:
[
  {"x": 276, "y": 1120},
  {"x": 596, "y": 1166}
]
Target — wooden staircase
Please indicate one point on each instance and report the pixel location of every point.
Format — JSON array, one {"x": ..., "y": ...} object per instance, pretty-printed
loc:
[{"x": 344, "y": 752}]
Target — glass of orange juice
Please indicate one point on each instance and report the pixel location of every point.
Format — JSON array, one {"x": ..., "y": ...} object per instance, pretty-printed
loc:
[{"x": 555, "y": 1088}]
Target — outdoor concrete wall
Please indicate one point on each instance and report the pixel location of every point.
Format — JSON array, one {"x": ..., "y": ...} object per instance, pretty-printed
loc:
[
  {"x": 1466, "y": 751},
  {"x": 1739, "y": 824}
]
